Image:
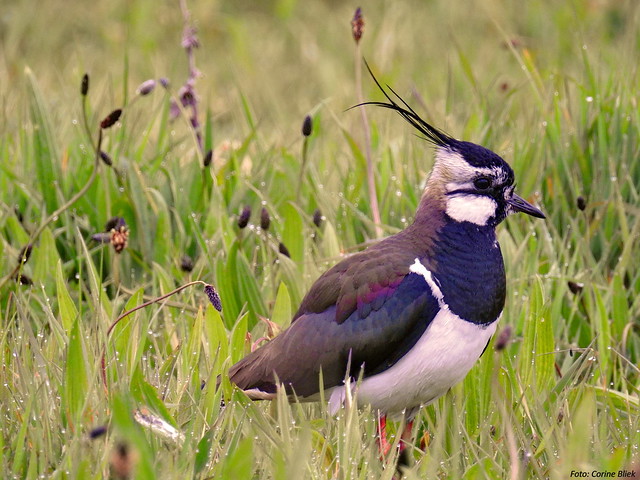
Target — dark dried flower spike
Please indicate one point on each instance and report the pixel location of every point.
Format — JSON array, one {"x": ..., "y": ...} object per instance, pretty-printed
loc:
[
  {"x": 114, "y": 223},
  {"x": 84, "y": 86},
  {"x": 214, "y": 298},
  {"x": 357, "y": 25},
  {"x": 503, "y": 338},
  {"x": 265, "y": 219},
  {"x": 307, "y": 126},
  {"x": 317, "y": 217},
  {"x": 282, "y": 248},
  {"x": 575, "y": 287},
  {"x": 25, "y": 253},
  {"x": 581, "y": 203},
  {"x": 208, "y": 157},
  {"x": 106, "y": 159},
  {"x": 245, "y": 215},
  {"x": 111, "y": 119},
  {"x": 98, "y": 432},
  {"x": 22, "y": 279},
  {"x": 186, "y": 263}
]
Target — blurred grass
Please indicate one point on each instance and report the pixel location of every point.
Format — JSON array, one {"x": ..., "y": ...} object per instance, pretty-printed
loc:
[{"x": 551, "y": 86}]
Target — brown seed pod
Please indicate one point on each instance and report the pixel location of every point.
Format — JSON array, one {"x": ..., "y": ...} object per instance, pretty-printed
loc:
[
  {"x": 111, "y": 119},
  {"x": 265, "y": 219},
  {"x": 84, "y": 86}
]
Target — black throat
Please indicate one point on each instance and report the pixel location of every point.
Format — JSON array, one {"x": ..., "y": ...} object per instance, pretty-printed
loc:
[{"x": 470, "y": 269}]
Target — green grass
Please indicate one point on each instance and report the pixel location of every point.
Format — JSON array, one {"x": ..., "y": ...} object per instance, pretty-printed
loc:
[{"x": 551, "y": 86}]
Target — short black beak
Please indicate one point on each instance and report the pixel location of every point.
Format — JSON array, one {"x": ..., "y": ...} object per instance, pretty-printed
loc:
[{"x": 519, "y": 204}]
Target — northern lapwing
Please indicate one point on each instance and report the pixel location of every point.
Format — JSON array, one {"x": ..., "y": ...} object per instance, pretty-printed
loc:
[{"x": 411, "y": 314}]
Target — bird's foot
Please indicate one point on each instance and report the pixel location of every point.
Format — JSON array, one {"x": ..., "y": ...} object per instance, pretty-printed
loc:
[{"x": 384, "y": 446}]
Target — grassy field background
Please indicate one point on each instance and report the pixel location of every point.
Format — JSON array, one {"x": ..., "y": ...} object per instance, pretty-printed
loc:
[{"x": 551, "y": 86}]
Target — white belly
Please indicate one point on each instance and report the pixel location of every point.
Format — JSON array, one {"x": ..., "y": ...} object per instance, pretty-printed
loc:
[{"x": 442, "y": 357}]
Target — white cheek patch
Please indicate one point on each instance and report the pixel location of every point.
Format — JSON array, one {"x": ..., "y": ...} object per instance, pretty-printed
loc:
[{"x": 476, "y": 209}]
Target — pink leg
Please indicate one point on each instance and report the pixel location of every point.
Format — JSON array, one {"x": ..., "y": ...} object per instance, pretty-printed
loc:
[
  {"x": 406, "y": 435},
  {"x": 383, "y": 444}
]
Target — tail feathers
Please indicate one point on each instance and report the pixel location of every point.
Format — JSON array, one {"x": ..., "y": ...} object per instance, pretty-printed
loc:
[{"x": 250, "y": 375}]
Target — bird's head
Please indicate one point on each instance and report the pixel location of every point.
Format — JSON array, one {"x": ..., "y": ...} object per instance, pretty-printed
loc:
[
  {"x": 475, "y": 184},
  {"x": 470, "y": 182}
]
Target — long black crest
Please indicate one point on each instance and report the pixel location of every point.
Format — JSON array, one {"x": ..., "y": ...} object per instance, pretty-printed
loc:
[{"x": 430, "y": 133}]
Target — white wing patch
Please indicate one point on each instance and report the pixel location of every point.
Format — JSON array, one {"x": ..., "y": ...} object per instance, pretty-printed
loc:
[{"x": 420, "y": 269}]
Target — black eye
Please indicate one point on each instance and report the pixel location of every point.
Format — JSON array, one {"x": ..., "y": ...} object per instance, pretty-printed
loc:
[{"x": 482, "y": 183}]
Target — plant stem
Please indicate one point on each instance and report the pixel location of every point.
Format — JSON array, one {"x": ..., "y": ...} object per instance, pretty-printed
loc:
[
  {"x": 305, "y": 144},
  {"x": 152, "y": 301},
  {"x": 373, "y": 197},
  {"x": 103, "y": 360}
]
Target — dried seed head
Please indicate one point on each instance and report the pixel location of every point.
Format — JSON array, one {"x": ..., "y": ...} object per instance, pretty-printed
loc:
[
  {"x": 243, "y": 219},
  {"x": 307, "y": 126},
  {"x": 106, "y": 159},
  {"x": 111, "y": 119},
  {"x": 265, "y": 219},
  {"x": 97, "y": 432},
  {"x": 114, "y": 223},
  {"x": 207, "y": 158},
  {"x": 503, "y": 338},
  {"x": 317, "y": 217},
  {"x": 84, "y": 86},
  {"x": 282, "y": 248},
  {"x": 186, "y": 263},
  {"x": 575, "y": 287},
  {"x": 25, "y": 253},
  {"x": 146, "y": 87},
  {"x": 119, "y": 238},
  {"x": 22, "y": 279},
  {"x": 187, "y": 95},
  {"x": 117, "y": 232},
  {"x": 357, "y": 25},
  {"x": 581, "y": 203},
  {"x": 214, "y": 298}
]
